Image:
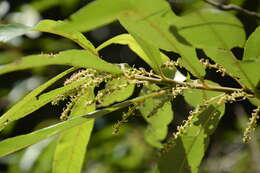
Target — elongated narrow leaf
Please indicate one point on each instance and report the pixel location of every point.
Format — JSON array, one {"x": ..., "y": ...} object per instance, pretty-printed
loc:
[
  {"x": 11, "y": 145},
  {"x": 32, "y": 102},
  {"x": 158, "y": 120},
  {"x": 8, "y": 32},
  {"x": 80, "y": 39},
  {"x": 152, "y": 53},
  {"x": 210, "y": 28},
  {"x": 189, "y": 148},
  {"x": 252, "y": 50},
  {"x": 245, "y": 70},
  {"x": 78, "y": 58},
  {"x": 127, "y": 39},
  {"x": 72, "y": 145},
  {"x": 152, "y": 22}
]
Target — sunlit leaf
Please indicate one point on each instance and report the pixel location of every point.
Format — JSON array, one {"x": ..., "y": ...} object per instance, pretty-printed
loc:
[
  {"x": 96, "y": 14},
  {"x": 80, "y": 39},
  {"x": 246, "y": 70},
  {"x": 45, "y": 158},
  {"x": 11, "y": 145},
  {"x": 252, "y": 50},
  {"x": 210, "y": 28},
  {"x": 152, "y": 53},
  {"x": 152, "y": 22},
  {"x": 71, "y": 148},
  {"x": 78, "y": 58},
  {"x": 127, "y": 39},
  {"x": 33, "y": 101},
  {"x": 8, "y": 32}
]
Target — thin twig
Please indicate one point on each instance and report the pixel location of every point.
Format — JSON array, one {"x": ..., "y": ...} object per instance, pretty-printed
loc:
[
  {"x": 233, "y": 7},
  {"x": 191, "y": 84}
]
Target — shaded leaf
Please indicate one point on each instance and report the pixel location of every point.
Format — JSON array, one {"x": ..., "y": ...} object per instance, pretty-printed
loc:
[
  {"x": 114, "y": 94},
  {"x": 71, "y": 148},
  {"x": 8, "y": 32},
  {"x": 189, "y": 148},
  {"x": 157, "y": 122},
  {"x": 78, "y": 58}
]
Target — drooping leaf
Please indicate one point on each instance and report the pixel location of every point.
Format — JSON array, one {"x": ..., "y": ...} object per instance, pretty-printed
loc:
[
  {"x": 152, "y": 22},
  {"x": 152, "y": 53},
  {"x": 116, "y": 90},
  {"x": 188, "y": 151},
  {"x": 78, "y": 58},
  {"x": 11, "y": 145},
  {"x": 246, "y": 70},
  {"x": 33, "y": 101},
  {"x": 127, "y": 39},
  {"x": 80, "y": 39},
  {"x": 252, "y": 50},
  {"x": 159, "y": 120},
  {"x": 211, "y": 28},
  {"x": 71, "y": 148},
  {"x": 8, "y": 32}
]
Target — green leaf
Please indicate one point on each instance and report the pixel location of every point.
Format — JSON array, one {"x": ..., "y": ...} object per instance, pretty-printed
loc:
[
  {"x": 113, "y": 94},
  {"x": 152, "y": 53},
  {"x": 80, "y": 39},
  {"x": 11, "y": 145},
  {"x": 210, "y": 28},
  {"x": 34, "y": 101},
  {"x": 159, "y": 121},
  {"x": 189, "y": 149},
  {"x": 45, "y": 158},
  {"x": 97, "y": 13},
  {"x": 70, "y": 151},
  {"x": 246, "y": 70},
  {"x": 78, "y": 58},
  {"x": 127, "y": 39},
  {"x": 152, "y": 22},
  {"x": 8, "y": 32},
  {"x": 252, "y": 50}
]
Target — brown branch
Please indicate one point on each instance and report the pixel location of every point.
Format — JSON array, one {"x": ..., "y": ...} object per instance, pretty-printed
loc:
[{"x": 233, "y": 7}]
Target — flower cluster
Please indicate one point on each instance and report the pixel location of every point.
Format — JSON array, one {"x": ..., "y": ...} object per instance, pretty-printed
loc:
[
  {"x": 125, "y": 116},
  {"x": 251, "y": 125},
  {"x": 182, "y": 128},
  {"x": 232, "y": 97}
]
